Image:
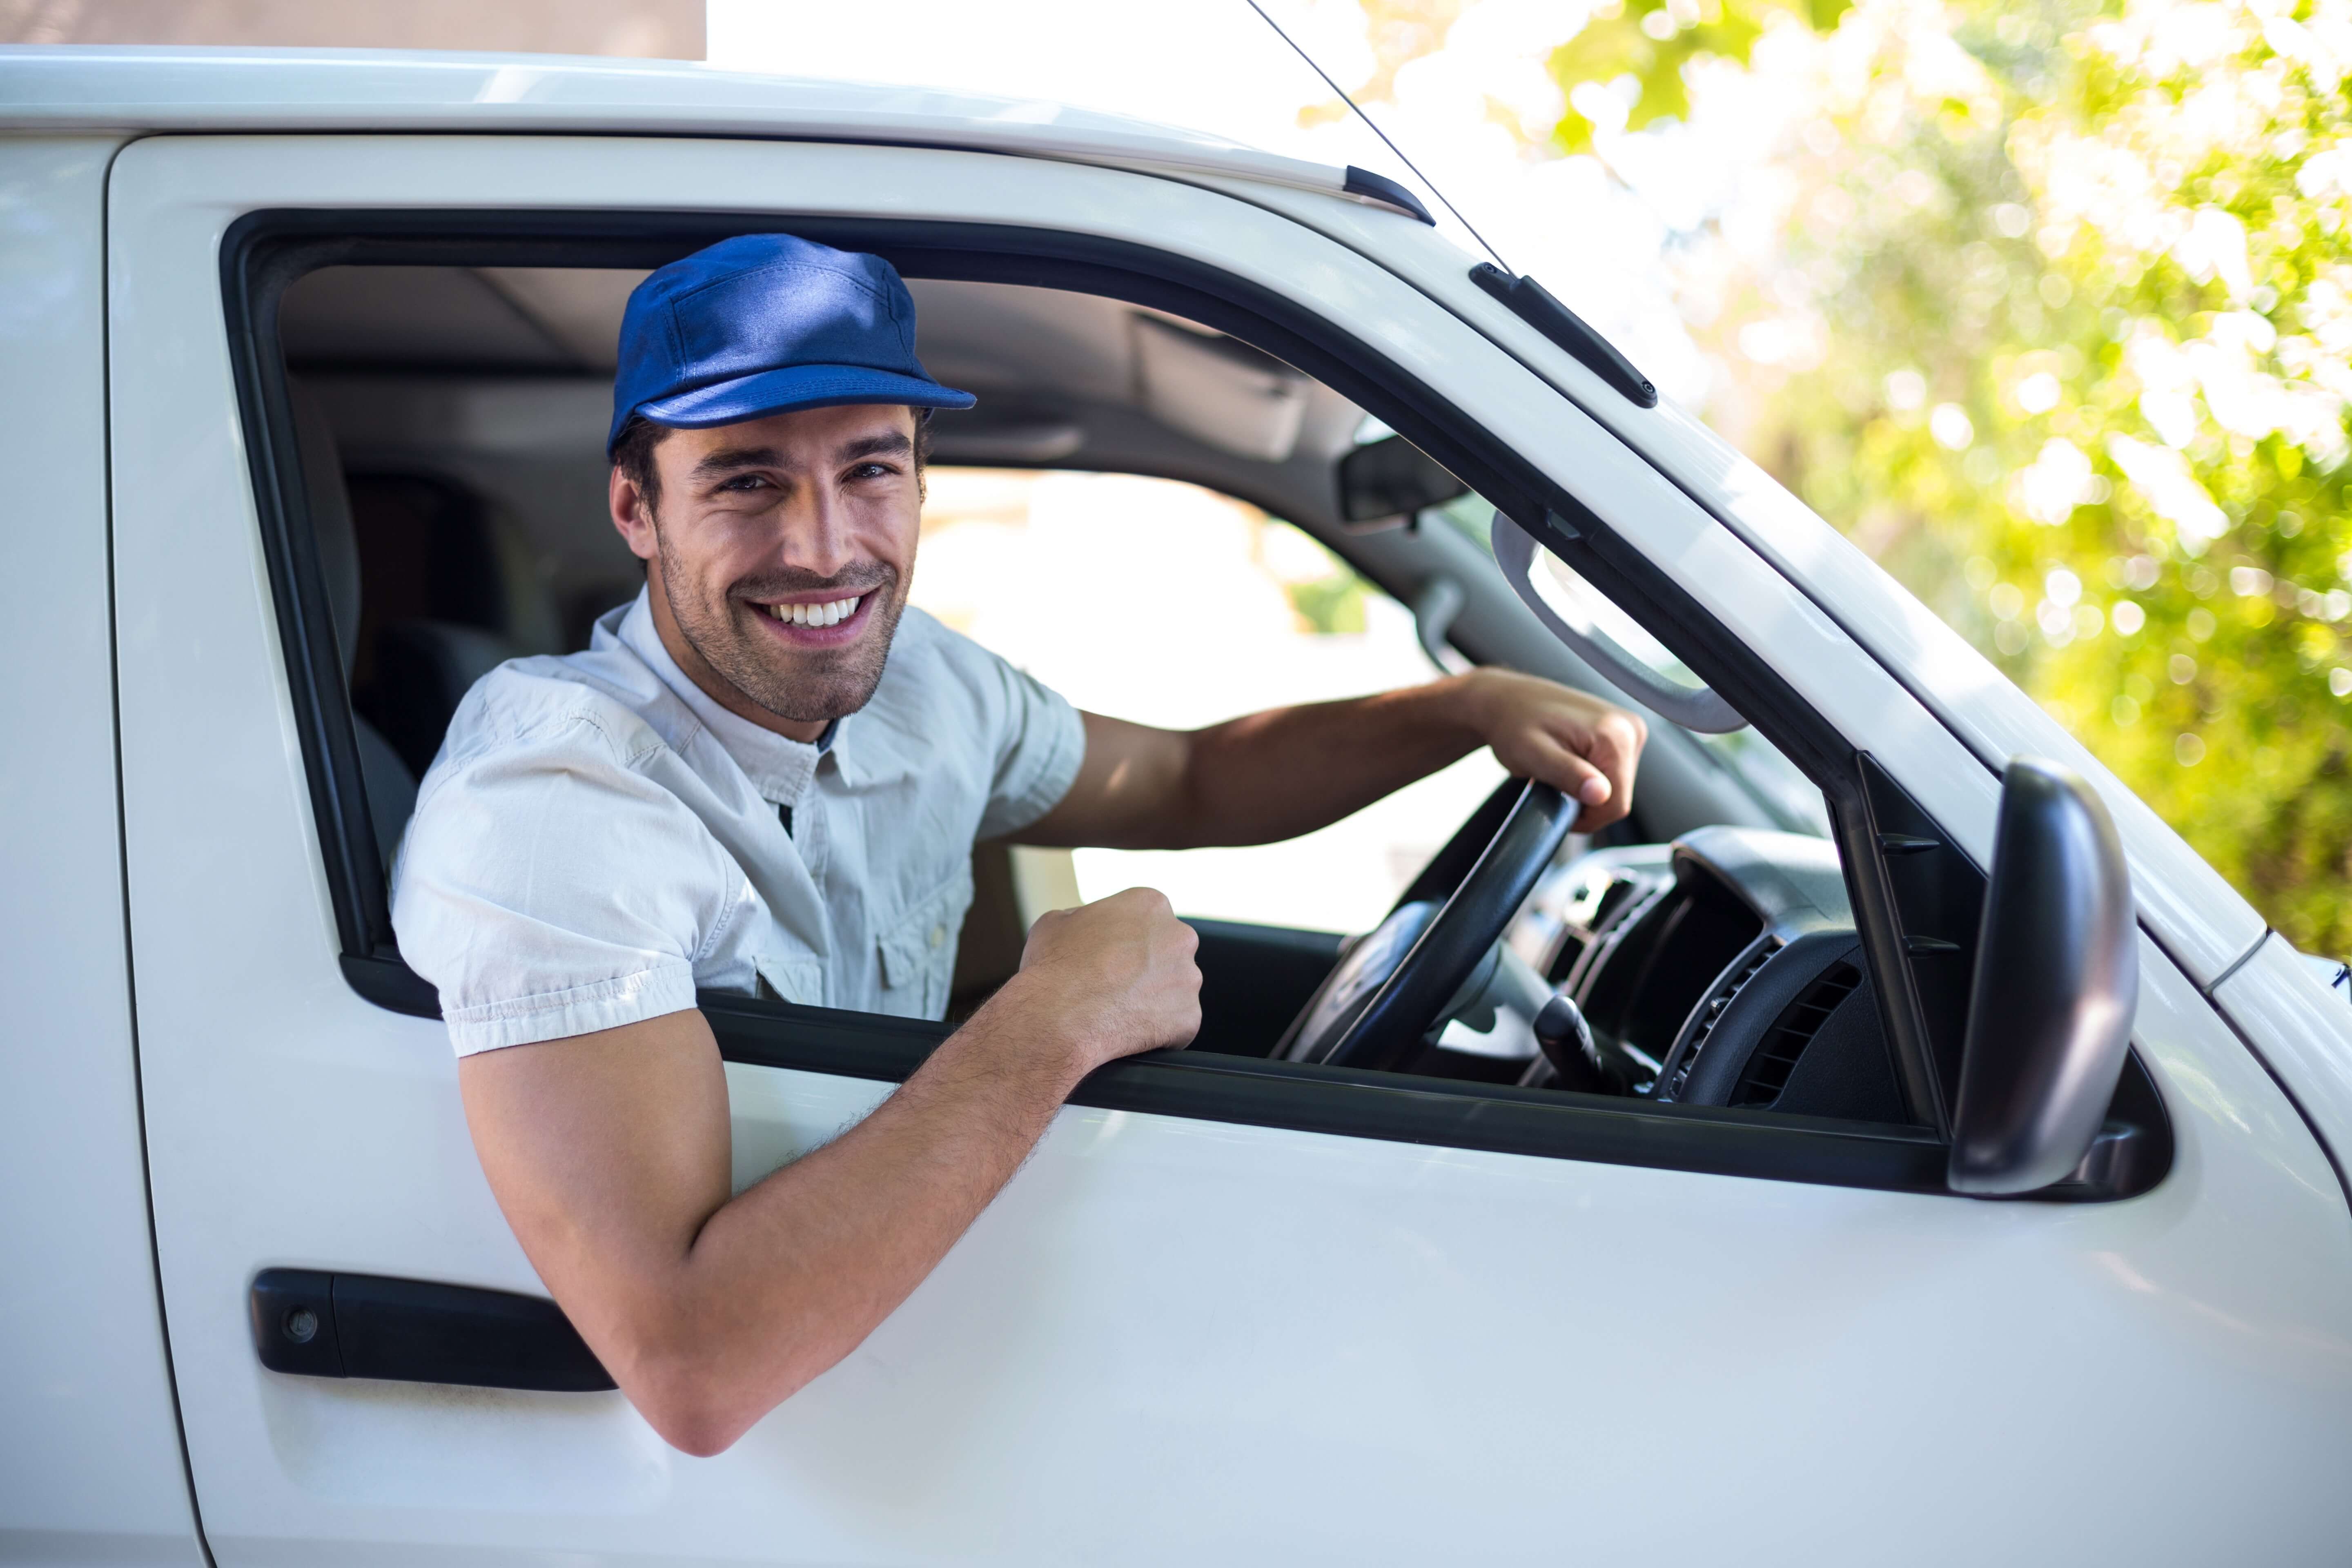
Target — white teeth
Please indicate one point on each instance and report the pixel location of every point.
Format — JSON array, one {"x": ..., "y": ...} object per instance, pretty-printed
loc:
[{"x": 831, "y": 615}]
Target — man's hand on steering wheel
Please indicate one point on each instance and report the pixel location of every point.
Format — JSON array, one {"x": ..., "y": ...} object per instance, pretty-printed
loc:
[{"x": 1581, "y": 745}]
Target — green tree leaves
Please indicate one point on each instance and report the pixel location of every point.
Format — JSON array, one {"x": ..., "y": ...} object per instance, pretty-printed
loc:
[
  {"x": 1625, "y": 69},
  {"x": 2056, "y": 320}
]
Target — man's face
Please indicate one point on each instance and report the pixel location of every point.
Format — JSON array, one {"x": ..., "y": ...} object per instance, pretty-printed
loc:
[{"x": 780, "y": 554}]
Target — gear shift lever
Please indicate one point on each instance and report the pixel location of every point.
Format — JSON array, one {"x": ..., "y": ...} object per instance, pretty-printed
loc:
[{"x": 1567, "y": 1042}]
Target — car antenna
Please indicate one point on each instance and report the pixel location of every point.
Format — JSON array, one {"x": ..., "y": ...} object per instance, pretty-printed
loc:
[{"x": 1384, "y": 135}]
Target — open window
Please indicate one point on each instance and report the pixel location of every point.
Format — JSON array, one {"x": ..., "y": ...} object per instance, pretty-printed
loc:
[{"x": 1771, "y": 955}]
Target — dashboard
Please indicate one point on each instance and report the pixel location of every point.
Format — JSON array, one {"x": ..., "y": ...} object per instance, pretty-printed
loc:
[{"x": 1721, "y": 969}]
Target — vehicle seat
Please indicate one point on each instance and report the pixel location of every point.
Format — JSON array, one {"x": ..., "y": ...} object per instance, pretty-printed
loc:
[
  {"x": 391, "y": 785},
  {"x": 452, "y": 591},
  {"x": 423, "y": 670}
]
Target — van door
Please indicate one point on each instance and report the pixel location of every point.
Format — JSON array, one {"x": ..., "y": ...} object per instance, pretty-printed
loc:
[
  {"x": 1191, "y": 1328},
  {"x": 90, "y": 1465}
]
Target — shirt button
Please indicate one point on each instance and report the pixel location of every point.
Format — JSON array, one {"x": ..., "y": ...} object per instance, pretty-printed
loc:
[{"x": 939, "y": 935}]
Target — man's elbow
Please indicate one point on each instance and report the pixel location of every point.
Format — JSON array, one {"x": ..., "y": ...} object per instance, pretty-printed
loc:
[
  {"x": 700, "y": 1400},
  {"x": 695, "y": 1429},
  {"x": 697, "y": 1409}
]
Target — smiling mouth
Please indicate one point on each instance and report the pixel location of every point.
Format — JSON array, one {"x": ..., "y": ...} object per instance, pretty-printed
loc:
[{"x": 832, "y": 612}]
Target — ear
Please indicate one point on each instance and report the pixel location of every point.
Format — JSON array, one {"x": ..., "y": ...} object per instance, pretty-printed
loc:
[
  {"x": 922, "y": 438},
  {"x": 631, "y": 516}
]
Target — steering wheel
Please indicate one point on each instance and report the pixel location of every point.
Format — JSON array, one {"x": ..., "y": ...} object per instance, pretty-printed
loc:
[{"x": 1406, "y": 976}]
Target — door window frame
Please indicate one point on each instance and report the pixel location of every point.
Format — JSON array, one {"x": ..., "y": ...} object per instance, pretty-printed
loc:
[{"x": 267, "y": 250}]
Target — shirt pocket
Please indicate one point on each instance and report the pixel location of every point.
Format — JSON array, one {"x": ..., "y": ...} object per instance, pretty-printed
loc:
[
  {"x": 788, "y": 979},
  {"x": 919, "y": 950}
]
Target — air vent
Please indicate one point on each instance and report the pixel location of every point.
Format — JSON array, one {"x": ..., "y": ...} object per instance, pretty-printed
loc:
[
  {"x": 1713, "y": 1010},
  {"x": 1597, "y": 918},
  {"x": 1769, "y": 1069},
  {"x": 1563, "y": 959},
  {"x": 1611, "y": 901}
]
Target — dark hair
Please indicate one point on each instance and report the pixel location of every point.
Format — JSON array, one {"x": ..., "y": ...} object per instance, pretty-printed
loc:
[{"x": 632, "y": 453}]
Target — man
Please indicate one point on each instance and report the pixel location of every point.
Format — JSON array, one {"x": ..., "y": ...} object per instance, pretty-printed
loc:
[{"x": 766, "y": 775}]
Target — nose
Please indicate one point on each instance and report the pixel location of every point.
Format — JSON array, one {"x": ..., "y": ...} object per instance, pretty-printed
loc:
[{"x": 815, "y": 532}]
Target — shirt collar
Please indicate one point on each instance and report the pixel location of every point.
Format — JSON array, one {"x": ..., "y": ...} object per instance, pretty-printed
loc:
[{"x": 779, "y": 767}]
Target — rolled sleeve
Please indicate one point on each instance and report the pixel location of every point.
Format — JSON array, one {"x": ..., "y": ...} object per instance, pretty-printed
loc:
[
  {"x": 547, "y": 889},
  {"x": 582, "y": 1010},
  {"x": 1039, "y": 751}
]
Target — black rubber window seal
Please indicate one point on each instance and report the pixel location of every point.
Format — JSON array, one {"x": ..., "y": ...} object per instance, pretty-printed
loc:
[{"x": 265, "y": 250}]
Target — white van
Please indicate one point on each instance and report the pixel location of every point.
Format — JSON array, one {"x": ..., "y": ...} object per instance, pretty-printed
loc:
[{"x": 1851, "y": 1231}]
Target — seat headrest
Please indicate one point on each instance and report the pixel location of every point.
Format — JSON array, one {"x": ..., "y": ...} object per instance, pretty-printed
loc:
[{"x": 328, "y": 502}]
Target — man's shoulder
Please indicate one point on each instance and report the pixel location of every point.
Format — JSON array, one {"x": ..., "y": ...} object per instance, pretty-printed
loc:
[
  {"x": 928, "y": 655},
  {"x": 947, "y": 705},
  {"x": 605, "y": 700}
]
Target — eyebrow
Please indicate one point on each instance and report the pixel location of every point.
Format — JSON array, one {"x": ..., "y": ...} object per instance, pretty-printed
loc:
[
  {"x": 890, "y": 444},
  {"x": 733, "y": 459},
  {"x": 728, "y": 459}
]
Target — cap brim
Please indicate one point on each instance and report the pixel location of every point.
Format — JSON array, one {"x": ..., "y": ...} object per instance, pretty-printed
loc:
[{"x": 796, "y": 387}]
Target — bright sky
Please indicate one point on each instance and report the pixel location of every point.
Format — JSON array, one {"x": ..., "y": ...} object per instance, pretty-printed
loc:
[
  {"x": 1207, "y": 65},
  {"x": 1215, "y": 66}
]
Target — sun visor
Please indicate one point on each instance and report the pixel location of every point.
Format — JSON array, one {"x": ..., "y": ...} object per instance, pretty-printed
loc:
[{"x": 1219, "y": 391}]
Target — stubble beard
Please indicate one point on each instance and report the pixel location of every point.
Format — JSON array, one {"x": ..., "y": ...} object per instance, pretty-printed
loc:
[{"x": 809, "y": 687}]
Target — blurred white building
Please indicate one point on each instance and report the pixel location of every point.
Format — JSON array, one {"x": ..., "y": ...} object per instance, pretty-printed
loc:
[{"x": 664, "y": 29}]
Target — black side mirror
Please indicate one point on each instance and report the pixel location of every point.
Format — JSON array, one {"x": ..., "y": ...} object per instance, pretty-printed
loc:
[
  {"x": 1391, "y": 478},
  {"x": 2056, "y": 985}
]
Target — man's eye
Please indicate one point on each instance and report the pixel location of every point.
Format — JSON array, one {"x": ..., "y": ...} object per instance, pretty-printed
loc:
[
  {"x": 871, "y": 471},
  {"x": 745, "y": 482}
]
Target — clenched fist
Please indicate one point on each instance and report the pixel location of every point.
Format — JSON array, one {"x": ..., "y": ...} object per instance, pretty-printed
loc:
[{"x": 1112, "y": 978}]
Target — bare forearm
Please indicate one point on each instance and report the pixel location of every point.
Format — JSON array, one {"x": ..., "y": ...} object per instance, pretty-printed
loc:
[
  {"x": 1290, "y": 770},
  {"x": 1287, "y": 771},
  {"x": 1258, "y": 778},
  {"x": 789, "y": 1277},
  {"x": 609, "y": 1153}
]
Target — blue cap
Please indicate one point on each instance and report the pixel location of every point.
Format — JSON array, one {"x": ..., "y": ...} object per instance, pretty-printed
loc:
[{"x": 765, "y": 323}]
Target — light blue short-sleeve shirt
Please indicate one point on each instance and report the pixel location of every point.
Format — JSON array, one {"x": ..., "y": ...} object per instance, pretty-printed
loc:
[{"x": 598, "y": 838}]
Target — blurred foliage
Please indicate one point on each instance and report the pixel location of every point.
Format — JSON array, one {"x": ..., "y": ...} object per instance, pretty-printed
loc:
[
  {"x": 1398, "y": 32},
  {"x": 1324, "y": 591},
  {"x": 1629, "y": 66},
  {"x": 1330, "y": 604},
  {"x": 2053, "y": 315}
]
